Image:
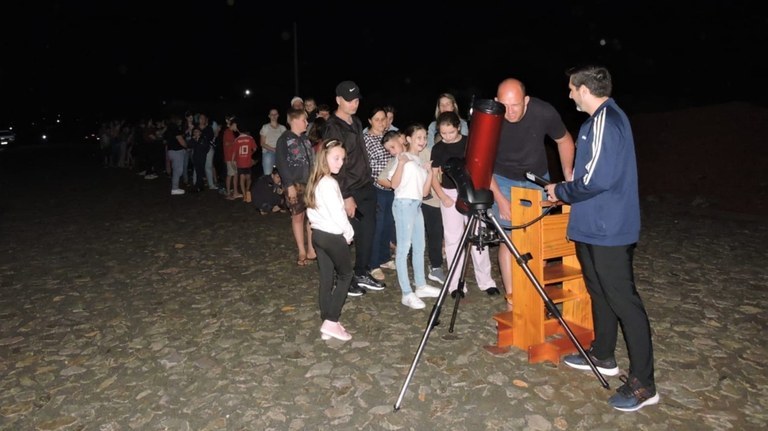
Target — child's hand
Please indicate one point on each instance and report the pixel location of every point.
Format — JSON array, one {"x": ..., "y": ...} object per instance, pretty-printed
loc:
[{"x": 403, "y": 158}]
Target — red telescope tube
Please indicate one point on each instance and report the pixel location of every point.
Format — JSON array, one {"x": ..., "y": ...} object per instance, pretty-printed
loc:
[{"x": 484, "y": 131}]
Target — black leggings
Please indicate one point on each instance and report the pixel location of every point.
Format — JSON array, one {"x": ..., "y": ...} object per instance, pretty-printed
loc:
[
  {"x": 433, "y": 226},
  {"x": 333, "y": 261}
]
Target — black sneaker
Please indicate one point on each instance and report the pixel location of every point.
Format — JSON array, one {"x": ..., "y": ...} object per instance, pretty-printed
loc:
[
  {"x": 606, "y": 367},
  {"x": 355, "y": 290},
  {"x": 632, "y": 395},
  {"x": 492, "y": 291},
  {"x": 369, "y": 282}
]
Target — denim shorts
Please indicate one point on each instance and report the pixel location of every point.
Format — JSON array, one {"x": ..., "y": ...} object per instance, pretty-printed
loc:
[{"x": 505, "y": 185}]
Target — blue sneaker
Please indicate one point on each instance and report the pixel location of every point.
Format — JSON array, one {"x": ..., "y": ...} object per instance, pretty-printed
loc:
[
  {"x": 632, "y": 395},
  {"x": 606, "y": 367}
]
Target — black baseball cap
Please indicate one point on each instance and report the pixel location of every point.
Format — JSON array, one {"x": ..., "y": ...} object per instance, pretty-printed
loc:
[{"x": 348, "y": 91}]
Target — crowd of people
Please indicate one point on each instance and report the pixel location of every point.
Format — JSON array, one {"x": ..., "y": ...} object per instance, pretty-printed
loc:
[{"x": 380, "y": 189}]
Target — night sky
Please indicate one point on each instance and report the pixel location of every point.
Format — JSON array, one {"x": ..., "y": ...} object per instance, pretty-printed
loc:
[{"x": 96, "y": 60}]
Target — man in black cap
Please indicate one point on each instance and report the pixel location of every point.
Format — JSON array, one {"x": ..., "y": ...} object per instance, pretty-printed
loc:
[{"x": 355, "y": 182}]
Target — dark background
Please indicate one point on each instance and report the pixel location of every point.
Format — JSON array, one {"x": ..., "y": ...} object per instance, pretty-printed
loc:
[{"x": 84, "y": 62}]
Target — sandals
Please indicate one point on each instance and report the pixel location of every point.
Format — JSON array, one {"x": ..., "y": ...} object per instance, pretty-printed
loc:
[{"x": 303, "y": 261}]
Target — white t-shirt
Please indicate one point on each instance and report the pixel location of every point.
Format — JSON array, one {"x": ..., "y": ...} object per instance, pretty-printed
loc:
[
  {"x": 413, "y": 178},
  {"x": 272, "y": 134},
  {"x": 329, "y": 214}
]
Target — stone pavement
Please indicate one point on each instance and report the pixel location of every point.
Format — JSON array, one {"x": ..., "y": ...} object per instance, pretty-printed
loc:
[{"x": 123, "y": 308}]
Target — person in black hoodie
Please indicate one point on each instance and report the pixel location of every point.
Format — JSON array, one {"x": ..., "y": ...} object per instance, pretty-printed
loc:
[{"x": 355, "y": 182}]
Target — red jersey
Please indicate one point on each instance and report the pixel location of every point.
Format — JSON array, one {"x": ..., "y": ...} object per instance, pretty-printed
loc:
[
  {"x": 229, "y": 144},
  {"x": 245, "y": 146}
]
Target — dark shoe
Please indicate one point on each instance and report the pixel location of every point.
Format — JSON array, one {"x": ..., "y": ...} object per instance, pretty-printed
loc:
[
  {"x": 492, "y": 291},
  {"x": 369, "y": 282},
  {"x": 437, "y": 274},
  {"x": 606, "y": 367},
  {"x": 355, "y": 290},
  {"x": 632, "y": 395}
]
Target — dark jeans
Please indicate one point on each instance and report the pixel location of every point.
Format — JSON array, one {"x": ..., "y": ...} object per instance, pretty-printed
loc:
[
  {"x": 198, "y": 160},
  {"x": 433, "y": 224},
  {"x": 385, "y": 227},
  {"x": 157, "y": 155},
  {"x": 333, "y": 261},
  {"x": 610, "y": 281},
  {"x": 364, "y": 224}
]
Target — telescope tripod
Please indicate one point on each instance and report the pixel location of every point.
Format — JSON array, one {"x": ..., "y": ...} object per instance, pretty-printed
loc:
[{"x": 477, "y": 234}]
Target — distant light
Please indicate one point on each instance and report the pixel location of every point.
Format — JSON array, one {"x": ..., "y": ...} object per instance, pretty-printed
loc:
[
  {"x": 602, "y": 42},
  {"x": 247, "y": 92},
  {"x": 58, "y": 121},
  {"x": 44, "y": 137}
]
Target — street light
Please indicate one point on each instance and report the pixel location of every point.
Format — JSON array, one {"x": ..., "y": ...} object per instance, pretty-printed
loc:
[{"x": 247, "y": 92}]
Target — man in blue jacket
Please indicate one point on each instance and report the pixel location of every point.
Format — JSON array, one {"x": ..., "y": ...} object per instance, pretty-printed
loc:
[{"x": 605, "y": 225}]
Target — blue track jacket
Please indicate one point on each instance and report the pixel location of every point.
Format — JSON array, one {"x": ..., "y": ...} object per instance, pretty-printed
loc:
[{"x": 605, "y": 207}]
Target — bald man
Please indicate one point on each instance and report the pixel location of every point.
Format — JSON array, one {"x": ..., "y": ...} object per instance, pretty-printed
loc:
[{"x": 527, "y": 123}]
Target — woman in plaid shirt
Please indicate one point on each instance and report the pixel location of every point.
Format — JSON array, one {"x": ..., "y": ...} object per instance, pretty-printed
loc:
[{"x": 378, "y": 158}]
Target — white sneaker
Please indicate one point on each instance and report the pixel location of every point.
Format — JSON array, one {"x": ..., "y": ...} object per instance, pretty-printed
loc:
[
  {"x": 412, "y": 301},
  {"x": 427, "y": 291},
  {"x": 177, "y": 192}
]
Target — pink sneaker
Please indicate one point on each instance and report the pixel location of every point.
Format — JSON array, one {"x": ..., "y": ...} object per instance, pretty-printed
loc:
[{"x": 334, "y": 330}]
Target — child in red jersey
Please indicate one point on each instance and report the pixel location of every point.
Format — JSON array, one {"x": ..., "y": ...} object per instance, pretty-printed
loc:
[{"x": 245, "y": 146}]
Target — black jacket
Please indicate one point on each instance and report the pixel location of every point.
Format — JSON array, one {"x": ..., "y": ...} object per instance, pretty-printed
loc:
[{"x": 356, "y": 171}]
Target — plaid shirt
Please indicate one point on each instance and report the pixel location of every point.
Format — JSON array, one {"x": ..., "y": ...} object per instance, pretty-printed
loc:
[{"x": 378, "y": 156}]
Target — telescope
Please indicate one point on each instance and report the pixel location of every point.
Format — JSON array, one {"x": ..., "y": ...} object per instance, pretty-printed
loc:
[{"x": 473, "y": 174}]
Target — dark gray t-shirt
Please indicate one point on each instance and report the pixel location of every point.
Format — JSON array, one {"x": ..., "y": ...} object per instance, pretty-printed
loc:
[{"x": 521, "y": 144}]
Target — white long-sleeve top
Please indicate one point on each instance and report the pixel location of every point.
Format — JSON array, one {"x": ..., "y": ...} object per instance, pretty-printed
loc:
[{"x": 329, "y": 215}]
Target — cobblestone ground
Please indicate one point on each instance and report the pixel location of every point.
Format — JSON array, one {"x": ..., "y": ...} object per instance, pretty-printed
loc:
[{"x": 124, "y": 308}]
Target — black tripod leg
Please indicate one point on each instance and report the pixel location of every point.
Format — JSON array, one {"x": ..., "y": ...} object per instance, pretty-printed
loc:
[
  {"x": 467, "y": 250},
  {"x": 547, "y": 301},
  {"x": 435, "y": 314}
]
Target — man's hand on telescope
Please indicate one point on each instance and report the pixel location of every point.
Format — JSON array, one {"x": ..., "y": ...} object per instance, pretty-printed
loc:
[{"x": 551, "y": 196}]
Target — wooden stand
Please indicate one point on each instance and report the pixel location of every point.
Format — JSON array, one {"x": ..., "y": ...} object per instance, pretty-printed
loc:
[{"x": 530, "y": 326}]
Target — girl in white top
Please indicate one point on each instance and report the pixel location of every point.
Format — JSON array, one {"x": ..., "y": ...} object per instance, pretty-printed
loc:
[
  {"x": 331, "y": 235},
  {"x": 411, "y": 181}
]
